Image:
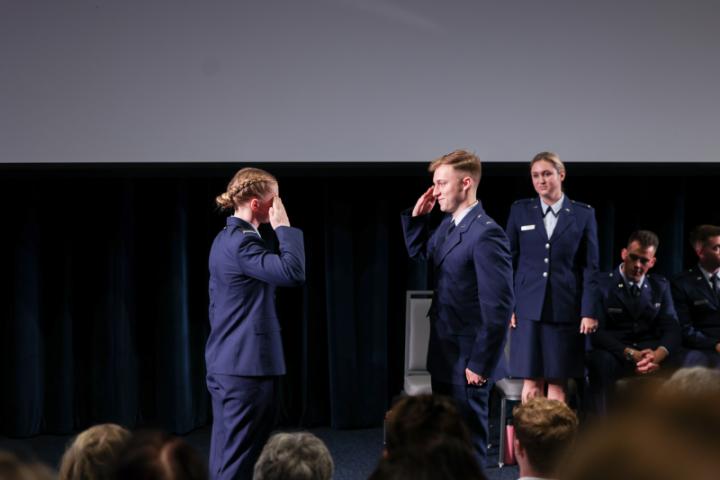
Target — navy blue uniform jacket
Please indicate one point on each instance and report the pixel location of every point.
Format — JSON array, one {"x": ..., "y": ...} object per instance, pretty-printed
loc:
[
  {"x": 473, "y": 296},
  {"x": 568, "y": 261},
  {"x": 244, "y": 330},
  {"x": 698, "y": 310},
  {"x": 627, "y": 321}
]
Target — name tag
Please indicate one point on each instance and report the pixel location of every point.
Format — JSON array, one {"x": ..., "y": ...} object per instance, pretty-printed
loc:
[
  {"x": 614, "y": 310},
  {"x": 525, "y": 228},
  {"x": 701, "y": 302}
]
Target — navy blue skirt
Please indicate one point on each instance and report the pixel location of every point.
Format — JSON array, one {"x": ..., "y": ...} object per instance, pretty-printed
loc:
[{"x": 546, "y": 350}]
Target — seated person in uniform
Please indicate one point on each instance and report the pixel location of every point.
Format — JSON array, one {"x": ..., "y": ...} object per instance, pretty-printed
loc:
[
  {"x": 696, "y": 293},
  {"x": 544, "y": 430},
  {"x": 639, "y": 330}
]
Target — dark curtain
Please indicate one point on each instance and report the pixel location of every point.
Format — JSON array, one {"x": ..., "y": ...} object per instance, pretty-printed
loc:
[{"x": 103, "y": 281}]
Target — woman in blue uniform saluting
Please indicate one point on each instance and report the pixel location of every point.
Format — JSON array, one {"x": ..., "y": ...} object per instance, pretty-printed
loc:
[
  {"x": 555, "y": 258},
  {"x": 244, "y": 353}
]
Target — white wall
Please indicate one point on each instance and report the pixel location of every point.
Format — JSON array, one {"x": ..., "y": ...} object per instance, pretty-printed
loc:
[{"x": 358, "y": 80}]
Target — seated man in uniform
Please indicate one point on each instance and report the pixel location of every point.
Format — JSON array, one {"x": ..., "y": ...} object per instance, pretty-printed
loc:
[
  {"x": 696, "y": 293},
  {"x": 639, "y": 329}
]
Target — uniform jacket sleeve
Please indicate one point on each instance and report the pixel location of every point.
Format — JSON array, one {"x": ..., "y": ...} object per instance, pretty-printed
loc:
[
  {"x": 603, "y": 339},
  {"x": 512, "y": 234},
  {"x": 418, "y": 237},
  {"x": 691, "y": 336},
  {"x": 285, "y": 269},
  {"x": 671, "y": 334},
  {"x": 493, "y": 267},
  {"x": 590, "y": 268}
]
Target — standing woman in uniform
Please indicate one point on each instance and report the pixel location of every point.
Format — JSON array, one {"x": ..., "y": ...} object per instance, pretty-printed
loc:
[
  {"x": 555, "y": 256},
  {"x": 244, "y": 353}
]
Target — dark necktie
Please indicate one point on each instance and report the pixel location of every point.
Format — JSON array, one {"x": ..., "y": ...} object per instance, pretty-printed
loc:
[
  {"x": 715, "y": 284},
  {"x": 550, "y": 210},
  {"x": 634, "y": 290},
  {"x": 451, "y": 229}
]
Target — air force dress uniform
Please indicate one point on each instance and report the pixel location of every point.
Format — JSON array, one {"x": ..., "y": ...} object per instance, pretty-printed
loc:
[
  {"x": 698, "y": 306},
  {"x": 471, "y": 307},
  {"x": 632, "y": 315},
  {"x": 244, "y": 353},
  {"x": 554, "y": 286}
]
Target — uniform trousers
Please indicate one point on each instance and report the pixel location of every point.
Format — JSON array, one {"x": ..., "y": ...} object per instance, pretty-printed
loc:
[
  {"x": 472, "y": 404},
  {"x": 701, "y": 358},
  {"x": 244, "y": 411}
]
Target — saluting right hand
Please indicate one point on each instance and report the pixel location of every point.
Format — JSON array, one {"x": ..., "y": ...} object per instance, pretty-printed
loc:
[
  {"x": 425, "y": 203},
  {"x": 278, "y": 215},
  {"x": 513, "y": 321}
]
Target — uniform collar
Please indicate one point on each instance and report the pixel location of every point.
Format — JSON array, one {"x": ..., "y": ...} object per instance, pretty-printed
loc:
[
  {"x": 236, "y": 221},
  {"x": 707, "y": 274},
  {"x": 556, "y": 207},
  {"x": 458, "y": 218},
  {"x": 639, "y": 283}
]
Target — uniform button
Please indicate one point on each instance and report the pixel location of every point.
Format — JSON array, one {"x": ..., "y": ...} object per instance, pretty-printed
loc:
[
  {"x": 547, "y": 246},
  {"x": 546, "y": 260},
  {"x": 544, "y": 274}
]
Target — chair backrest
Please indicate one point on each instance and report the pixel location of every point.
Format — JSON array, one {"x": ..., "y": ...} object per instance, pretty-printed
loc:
[{"x": 417, "y": 330}]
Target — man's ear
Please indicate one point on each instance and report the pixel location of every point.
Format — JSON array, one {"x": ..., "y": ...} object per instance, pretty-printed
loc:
[
  {"x": 517, "y": 448},
  {"x": 467, "y": 183}
]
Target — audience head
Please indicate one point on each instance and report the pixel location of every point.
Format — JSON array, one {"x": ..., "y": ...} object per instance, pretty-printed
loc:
[
  {"x": 693, "y": 381},
  {"x": 446, "y": 458},
  {"x": 13, "y": 468},
  {"x": 416, "y": 421},
  {"x": 705, "y": 241},
  {"x": 93, "y": 453},
  {"x": 639, "y": 255},
  {"x": 544, "y": 430},
  {"x": 157, "y": 455},
  {"x": 670, "y": 436},
  {"x": 294, "y": 456}
]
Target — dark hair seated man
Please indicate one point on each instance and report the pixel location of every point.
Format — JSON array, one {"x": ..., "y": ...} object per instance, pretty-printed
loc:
[
  {"x": 639, "y": 330},
  {"x": 696, "y": 293}
]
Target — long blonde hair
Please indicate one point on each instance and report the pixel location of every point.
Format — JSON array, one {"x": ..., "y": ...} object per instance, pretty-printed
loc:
[{"x": 246, "y": 184}]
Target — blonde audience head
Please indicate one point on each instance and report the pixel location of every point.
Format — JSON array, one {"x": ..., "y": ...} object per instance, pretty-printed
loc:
[
  {"x": 13, "y": 468},
  {"x": 544, "y": 431},
  {"x": 93, "y": 453}
]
